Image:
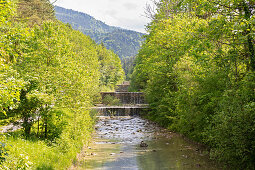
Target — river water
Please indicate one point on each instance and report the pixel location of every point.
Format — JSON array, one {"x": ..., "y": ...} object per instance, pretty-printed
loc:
[{"x": 117, "y": 141}]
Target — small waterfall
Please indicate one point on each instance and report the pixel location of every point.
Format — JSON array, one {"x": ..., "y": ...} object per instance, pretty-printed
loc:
[
  {"x": 120, "y": 110},
  {"x": 126, "y": 97},
  {"x": 133, "y": 103}
]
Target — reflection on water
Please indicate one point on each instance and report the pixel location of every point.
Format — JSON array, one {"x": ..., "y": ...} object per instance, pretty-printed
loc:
[{"x": 117, "y": 146}]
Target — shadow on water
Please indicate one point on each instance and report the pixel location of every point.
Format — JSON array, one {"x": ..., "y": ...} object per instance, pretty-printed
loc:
[{"x": 117, "y": 146}]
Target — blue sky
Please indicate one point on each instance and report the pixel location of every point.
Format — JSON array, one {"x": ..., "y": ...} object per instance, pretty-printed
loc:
[{"x": 127, "y": 14}]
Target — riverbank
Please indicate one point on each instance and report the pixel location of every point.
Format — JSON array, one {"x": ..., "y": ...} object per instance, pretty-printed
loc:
[{"x": 36, "y": 152}]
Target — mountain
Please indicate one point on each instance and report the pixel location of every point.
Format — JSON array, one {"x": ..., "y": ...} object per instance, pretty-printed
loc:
[{"x": 123, "y": 42}]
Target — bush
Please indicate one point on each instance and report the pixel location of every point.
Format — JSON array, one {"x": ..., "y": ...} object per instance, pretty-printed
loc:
[
  {"x": 111, "y": 101},
  {"x": 231, "y": 133}
]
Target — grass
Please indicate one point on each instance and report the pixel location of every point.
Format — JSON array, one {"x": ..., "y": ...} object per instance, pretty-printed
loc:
[
  {"x": 18, "y": 152},
  {"x": 35, "y": 154}
]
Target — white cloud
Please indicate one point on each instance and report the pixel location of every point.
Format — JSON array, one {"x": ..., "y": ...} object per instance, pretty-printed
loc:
[
  {"x": 127, "y": 14},
  {"x": 130, "y": 6}
]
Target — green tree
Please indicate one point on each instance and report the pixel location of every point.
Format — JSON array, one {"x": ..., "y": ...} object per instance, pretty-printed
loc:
[
  {"x": 34, "y": 12},
  {"x": 197, "y": 70},
  {"x": 50, "y": 75}
]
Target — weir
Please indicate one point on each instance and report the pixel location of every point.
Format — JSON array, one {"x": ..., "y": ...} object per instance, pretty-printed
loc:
[
  {"x": 126, "y": 97},
  {"x": 132, "y": 103}
]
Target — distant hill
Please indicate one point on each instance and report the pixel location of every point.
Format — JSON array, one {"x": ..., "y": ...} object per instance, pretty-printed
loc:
[{"x": 123, "y": 42}]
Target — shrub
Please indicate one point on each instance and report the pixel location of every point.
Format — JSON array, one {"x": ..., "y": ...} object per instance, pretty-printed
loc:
[{"x": 111, "y": 101}]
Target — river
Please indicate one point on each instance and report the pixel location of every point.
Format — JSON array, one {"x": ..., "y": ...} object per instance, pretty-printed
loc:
[{"x": 116, "y": 146}]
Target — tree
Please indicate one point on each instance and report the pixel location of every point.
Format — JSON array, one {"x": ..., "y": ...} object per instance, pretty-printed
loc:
[
  {"x": 34, "y": 12},
  {"x": 196, "y": 68}
]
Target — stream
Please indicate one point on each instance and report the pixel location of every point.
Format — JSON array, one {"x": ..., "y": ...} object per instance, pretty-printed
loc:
[{"x": 116, "y": 146}]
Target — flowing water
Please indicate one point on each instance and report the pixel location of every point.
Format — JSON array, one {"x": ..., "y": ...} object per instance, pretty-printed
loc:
[{"x": 117, "y": 142}]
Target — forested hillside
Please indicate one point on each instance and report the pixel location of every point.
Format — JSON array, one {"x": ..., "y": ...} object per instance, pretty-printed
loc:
[
  {"x": 123, "y": 42},
  {"x": 197, "y": 68},
  {"x": 50, "y": 75}
]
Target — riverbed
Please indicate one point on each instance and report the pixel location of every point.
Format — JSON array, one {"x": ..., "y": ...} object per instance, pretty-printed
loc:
[{"x": 117, "y": 145}]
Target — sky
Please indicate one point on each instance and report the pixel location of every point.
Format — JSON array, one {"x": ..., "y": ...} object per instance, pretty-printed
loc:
[{"x": 128, "y": 14}]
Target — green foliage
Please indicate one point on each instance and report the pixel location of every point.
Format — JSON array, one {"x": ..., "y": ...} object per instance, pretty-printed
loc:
[
  {"x": 9, "y": 96},
  {"x": 6, "y": 10},
  {"x": 125, "y": 43},
  {"x": 3, "y": 152},
  {"x": 231, "y": 132},
  {"x": 8, "y": 160},
  {"x": 111, "y": 100},
  {"x": 128, "y": 66},
  {"x": 10, "y": 83},
  {"x": 34, "y": 12},
  {"x": 110, "y": 68},
  {"x": 50, "y": 75},
  {"x": 197, "y": 70}
]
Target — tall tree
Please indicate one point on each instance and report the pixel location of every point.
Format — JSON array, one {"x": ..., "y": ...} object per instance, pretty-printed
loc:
[{"x": 35, "y": 11}]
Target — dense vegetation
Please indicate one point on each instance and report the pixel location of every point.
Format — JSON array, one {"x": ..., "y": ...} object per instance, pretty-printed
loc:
[
  {"x": 197, "y": 68},
  {"x": 128, "y": 66},
  {"x": 123, "y": 42},
  {"x": 50, "y": 75}
]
